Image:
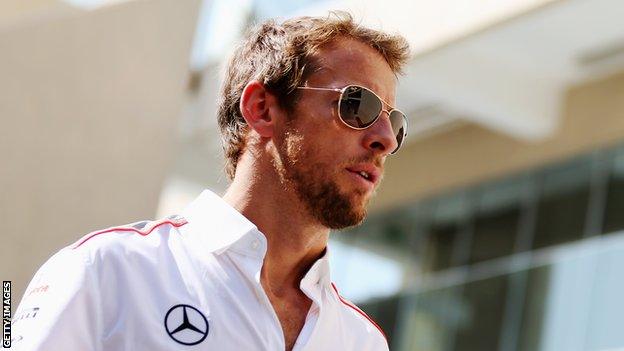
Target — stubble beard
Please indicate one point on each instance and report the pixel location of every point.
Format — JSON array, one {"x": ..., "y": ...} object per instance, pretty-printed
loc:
[{"x": 315, "y": 187}]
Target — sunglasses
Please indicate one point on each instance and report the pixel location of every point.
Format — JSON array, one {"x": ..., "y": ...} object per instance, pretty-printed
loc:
[{"x": 359, "y": 108}]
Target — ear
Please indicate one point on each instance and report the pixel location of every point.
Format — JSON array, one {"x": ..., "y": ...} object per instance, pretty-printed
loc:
[{"x": 255, "y": 105}]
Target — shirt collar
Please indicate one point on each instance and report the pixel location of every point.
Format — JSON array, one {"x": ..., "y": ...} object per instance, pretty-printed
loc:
[
  {"x": 318, "y": 274},
  {"x": 216, "y": 226}
]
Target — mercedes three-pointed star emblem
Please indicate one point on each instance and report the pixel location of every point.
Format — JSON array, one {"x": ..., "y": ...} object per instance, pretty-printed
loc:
[{"x": 186, "y": 324}]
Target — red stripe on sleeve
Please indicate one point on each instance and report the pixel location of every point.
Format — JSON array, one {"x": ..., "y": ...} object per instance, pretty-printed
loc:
[
  {"x": 358, "y": 311},
  {"x": 176, "y": 224}
]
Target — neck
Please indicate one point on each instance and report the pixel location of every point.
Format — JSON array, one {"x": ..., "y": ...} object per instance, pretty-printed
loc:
[{"x": 295, "y": 241}]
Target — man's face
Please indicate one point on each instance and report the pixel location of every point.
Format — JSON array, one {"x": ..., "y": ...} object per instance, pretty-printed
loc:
[{"x": 318, "y": 156}]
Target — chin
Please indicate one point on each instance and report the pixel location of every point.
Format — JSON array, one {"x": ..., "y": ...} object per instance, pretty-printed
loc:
[
  {"x": 341, "y": 212},
  {"x": 332, "y": 201},
  {"x": 354, "y": 215}
]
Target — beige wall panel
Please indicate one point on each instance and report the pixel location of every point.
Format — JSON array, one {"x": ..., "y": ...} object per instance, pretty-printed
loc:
[{"x": 89, "y": 107}]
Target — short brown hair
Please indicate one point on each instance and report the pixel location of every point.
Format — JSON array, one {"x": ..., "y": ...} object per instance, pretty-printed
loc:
[{"x": 280, "y": 55}]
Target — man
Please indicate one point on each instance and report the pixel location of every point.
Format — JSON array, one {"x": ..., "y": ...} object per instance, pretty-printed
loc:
[{"x": 307, "y": 122}]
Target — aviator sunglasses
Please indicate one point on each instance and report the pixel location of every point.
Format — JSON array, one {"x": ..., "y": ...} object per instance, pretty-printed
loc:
[{"x": 359, "y": 108}]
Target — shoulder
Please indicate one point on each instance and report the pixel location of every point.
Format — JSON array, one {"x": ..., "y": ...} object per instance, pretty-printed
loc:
[
  {"x": 127, "y": 238},
  {"x": 359, "y": 321},
  {"x": 114, "y": 244},
  {"x": 106, "y": 253}
]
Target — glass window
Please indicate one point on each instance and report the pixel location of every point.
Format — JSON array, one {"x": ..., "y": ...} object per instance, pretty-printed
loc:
[
  {"x": 534, "y": 309},
  {"x": 558, "y": 303},
  {"x": 444, "y": 231},
  {"x": 562, "y": 207},
  {"x": 614, "y": 211},
  {"x": 431, "y": 321},
  {"x": 606, "y": 308},
  {"x": 494, "y": 234},
  {"x": 496, "y": 220},
  {"x": 442, "y": 241},
  {"x": 484, "y": 301}
]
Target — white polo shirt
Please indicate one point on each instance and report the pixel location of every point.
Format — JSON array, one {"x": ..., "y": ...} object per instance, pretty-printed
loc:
[{"x": 189, "y": 282}]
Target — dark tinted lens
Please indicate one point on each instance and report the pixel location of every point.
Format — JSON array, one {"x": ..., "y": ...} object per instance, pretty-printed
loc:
[
  {"x": 399, "y": 127},
  {"x": 359, "y": 107}
]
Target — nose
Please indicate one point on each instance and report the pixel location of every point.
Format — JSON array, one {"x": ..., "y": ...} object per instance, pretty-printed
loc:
[{"x": 380, "y": 138}]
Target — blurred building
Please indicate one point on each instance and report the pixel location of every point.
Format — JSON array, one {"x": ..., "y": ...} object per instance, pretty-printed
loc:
[{"x": 499, "y": 226}]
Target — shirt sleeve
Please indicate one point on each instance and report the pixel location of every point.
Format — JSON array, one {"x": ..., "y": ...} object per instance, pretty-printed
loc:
[{"x": 60, "y": 309}]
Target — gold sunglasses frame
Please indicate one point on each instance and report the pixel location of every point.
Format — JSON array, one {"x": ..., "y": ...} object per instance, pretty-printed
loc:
[{"x": 342, "y": 91}]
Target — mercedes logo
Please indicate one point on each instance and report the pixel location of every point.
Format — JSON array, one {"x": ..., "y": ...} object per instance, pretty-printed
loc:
[{"x": 186, "y": 325}]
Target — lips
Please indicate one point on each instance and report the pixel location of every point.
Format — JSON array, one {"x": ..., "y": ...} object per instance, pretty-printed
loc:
[{"x": 367, "y": 172}]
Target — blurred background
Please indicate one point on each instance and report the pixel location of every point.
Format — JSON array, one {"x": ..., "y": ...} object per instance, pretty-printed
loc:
[{"x": 499, "y": 226}]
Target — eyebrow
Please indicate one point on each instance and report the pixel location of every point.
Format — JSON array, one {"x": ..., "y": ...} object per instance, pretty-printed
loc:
[{"x": 314, "y": 66}]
